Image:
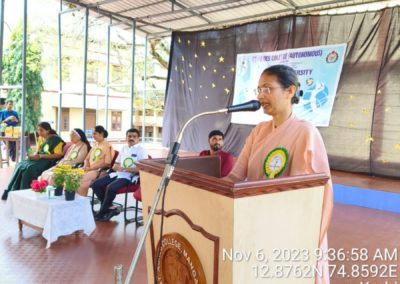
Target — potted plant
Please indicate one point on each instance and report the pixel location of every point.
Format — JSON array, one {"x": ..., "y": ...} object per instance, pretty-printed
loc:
[
  {"x": 72, "y": 182},
  {"x": 60, "y": 172},
  {"x": 39, "y": 186}
]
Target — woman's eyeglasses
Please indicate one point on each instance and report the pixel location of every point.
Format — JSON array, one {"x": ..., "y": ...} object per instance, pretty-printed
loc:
[{"x": 265, "y": 90}]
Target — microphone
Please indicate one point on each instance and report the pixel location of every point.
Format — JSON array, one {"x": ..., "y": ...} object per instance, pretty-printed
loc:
[
  {"x": 169, "y": 169},
  {"x": 172, "y": 159},
  {"x": 248, "y": 106}
]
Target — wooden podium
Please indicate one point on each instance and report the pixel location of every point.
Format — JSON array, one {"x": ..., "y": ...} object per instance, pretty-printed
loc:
[{"x": 215, "y": 231}]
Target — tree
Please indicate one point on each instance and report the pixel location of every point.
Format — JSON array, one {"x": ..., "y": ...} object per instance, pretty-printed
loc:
[{"x": 12, "y": 74}]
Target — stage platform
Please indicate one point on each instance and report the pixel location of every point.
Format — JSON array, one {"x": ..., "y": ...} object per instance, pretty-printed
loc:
[{"x": 366, "y": 191}]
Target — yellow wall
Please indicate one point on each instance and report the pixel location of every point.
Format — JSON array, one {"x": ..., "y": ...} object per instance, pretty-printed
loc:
[{"x": 49, "y": 113}]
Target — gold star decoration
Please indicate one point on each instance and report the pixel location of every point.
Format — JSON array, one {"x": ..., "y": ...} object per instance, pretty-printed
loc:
[
  {"x": 201, "y": 86},
  {"x": 387, "y": 109},
  {"x": 365, "y": 111},
  {"x": 195, "y": 55},
  {"x": 190, "y": 89},
  {"x": 350, "y": 124},
  {"x": 190, "y": 65},
  {"x": 204, "y": 68},
  {"x": 206, "y": 97},
  {"x": 176, "y": 68},
  {"x": 384, "y": 161},
  {"x": 170, "y": 80},
  {"x": 351, "y": 97},
  {"x": 215, "y": 70},
  {"x": 183, "y": 82},
  {"x": 227, "y": 91},
  {"x": 209, "y": 53},
  {"x": 223, "y": 77},
  {"x": 190, "y": 76},
  {"x": 213, "y": 85},
  {"x": 232, "y": 69},
  {"x": 369, "y": 139},
  {"x": 397, "y": 146},
  {"x": 221, "y": 59},
  {"x": 182, "y": 70},
  {"x": 179, "y": 40},
  {"x": 378, "y": 92},
  {"x": 183, "y": 58},
  {"x": 188, "y": 42},
  {"x": 203, "y": 43}
]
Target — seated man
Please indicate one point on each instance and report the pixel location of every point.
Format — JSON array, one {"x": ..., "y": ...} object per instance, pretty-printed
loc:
[
  {"x": 216, "y": 141},
  {"x": 125, "y": 173}
]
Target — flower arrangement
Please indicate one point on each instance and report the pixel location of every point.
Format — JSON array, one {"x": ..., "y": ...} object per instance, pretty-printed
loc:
[
  {"x": 73, "y": 179},
  {"x": 39, "y": 186},
  {"x": 60, "y": 172}
]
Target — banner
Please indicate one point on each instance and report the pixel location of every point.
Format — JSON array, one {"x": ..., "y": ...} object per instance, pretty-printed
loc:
[{"x": 318, "y": 69}]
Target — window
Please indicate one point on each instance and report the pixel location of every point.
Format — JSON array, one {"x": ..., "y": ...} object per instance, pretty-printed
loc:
[
  {"x": 64, "y": 119},
  {"x": 149, "y": 112},
  {"x": 92, "y": 72},
  {"x": 116, "y": 118},
  {"x": 116, "y": 73},
  {"x": 149, "y": 132}
]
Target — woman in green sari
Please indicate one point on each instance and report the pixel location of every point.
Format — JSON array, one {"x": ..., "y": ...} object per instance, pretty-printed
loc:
[{"x": 48, "y": 150}]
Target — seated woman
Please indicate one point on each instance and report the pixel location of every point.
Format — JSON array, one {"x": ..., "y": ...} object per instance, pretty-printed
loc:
[
  {"x": 76, "y": 154},
  {"x": 100, "y": 156},
  {"x": 48, "y": 151}
]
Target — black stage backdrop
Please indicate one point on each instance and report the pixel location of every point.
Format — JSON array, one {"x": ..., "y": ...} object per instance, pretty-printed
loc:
[{"x": 364, "y": 130}]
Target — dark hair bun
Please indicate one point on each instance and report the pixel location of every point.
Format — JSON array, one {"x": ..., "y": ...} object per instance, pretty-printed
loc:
[{"x": 102, "y": 130}]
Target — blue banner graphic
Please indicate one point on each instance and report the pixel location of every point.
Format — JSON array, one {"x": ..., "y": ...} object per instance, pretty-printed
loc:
[{"x": 318, "y": 69}]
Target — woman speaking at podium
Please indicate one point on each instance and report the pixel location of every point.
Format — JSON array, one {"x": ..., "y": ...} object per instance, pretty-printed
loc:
[{"x": 285, "y": 146}]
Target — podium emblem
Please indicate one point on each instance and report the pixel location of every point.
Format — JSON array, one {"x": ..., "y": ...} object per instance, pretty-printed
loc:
[
  {"x": 178, "y": 262},
  {"x": 275, "y": 162}
]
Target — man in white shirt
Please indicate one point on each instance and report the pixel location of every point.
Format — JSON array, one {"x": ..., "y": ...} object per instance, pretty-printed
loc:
[{"x": 126, "y": 172}]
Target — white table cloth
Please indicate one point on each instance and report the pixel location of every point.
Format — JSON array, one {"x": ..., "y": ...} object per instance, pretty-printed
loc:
[{"x": 56, "y": 216}]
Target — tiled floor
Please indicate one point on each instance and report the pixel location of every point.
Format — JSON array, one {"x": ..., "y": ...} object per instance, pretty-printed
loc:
[
  {"x": 72, "y": 259},
  {"x": 82, "y": 259}
]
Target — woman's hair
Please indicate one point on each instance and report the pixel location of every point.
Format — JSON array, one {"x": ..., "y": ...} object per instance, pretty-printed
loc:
[
  {"x": 46, "y": 126},
  {"x": 101, "y": 129},
  {"x": 83, "y": 138},
  {"x": 286, "y": 77}
]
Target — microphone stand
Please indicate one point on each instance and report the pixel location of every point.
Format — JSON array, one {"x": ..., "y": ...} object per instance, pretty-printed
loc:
[{"x": 169, "y": 169}]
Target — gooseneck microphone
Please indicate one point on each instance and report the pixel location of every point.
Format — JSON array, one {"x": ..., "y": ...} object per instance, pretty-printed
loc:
[
  {"x": 171, "y": 161},
  {"x": 248, "y": 106}
]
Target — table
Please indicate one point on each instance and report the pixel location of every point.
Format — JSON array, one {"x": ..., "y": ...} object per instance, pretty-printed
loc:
[
  {"x": 7, "y": 139},
  {"x": 52, "y": 217}
]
